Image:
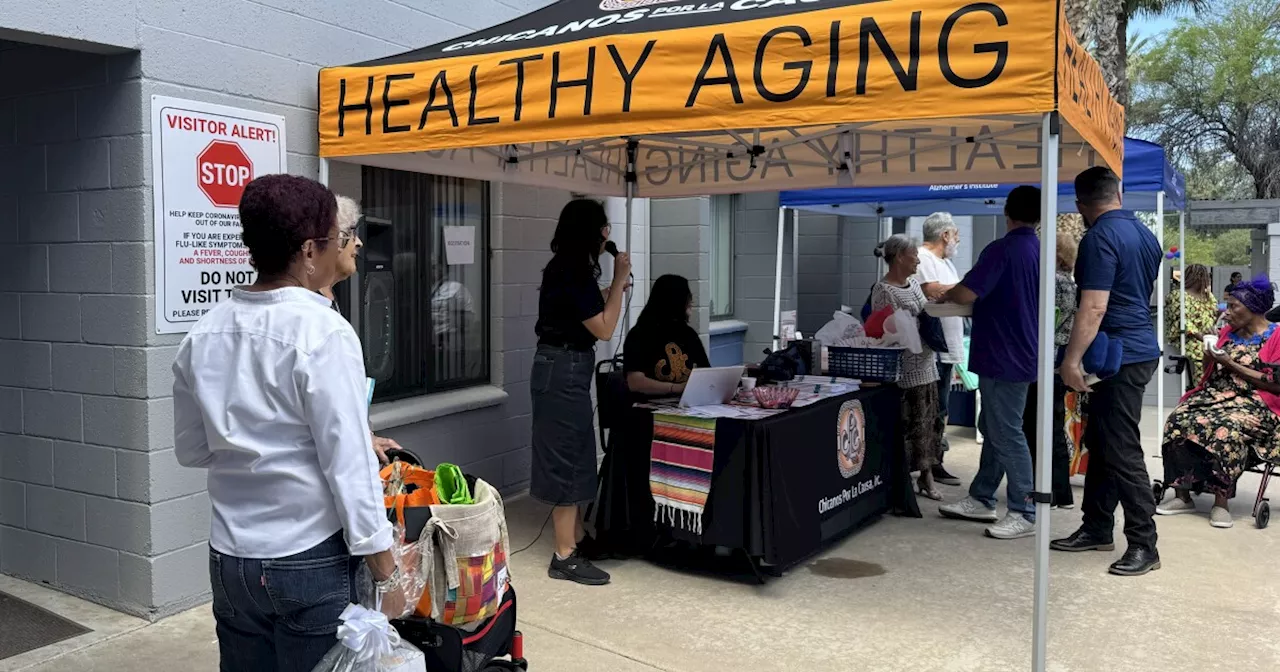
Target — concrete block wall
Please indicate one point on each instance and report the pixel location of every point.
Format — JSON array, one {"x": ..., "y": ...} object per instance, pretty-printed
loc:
[
  {"x": 755, "y": 248},
  {"x": 91, "y": 498},
  {"x": 680, "y": 240},
  {"x": 820, "y": 271},
  {"x": 858, "y": 239}
]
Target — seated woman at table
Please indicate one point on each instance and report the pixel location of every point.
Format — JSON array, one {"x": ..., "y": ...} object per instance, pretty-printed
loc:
[
  {"x": 921, "y": 425},
  {"x": 662, "y": 349},
  {"x": 1210, "y": 435}
]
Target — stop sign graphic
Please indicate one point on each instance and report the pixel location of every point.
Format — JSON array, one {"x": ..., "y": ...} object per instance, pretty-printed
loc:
[{"x": 222, "y": 171}]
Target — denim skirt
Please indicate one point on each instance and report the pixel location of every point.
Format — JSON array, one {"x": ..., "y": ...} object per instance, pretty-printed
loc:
[{"x": 563, "y": 470}]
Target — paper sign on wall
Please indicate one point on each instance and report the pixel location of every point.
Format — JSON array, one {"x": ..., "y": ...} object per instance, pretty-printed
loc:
[
  {"x": 202, "y": 156},
  {"x": 460, "y": 245}
]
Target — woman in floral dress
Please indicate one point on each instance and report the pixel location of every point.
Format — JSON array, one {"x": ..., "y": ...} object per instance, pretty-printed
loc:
[
  {"x": 1210, "y": 435},
  {"x": 1202, "y": 314}
]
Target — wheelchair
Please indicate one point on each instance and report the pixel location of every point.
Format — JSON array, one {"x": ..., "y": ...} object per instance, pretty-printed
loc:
[{"x": 1261, "y": 506}]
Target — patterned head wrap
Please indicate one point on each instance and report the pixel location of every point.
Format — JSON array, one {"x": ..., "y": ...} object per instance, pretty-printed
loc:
[{"x": 1258, "y": 294}]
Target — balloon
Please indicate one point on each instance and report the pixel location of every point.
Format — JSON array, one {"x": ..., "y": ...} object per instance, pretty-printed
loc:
[
  {"x": 1168, "y": 255},
  {"x": 1173, "y": 249}
]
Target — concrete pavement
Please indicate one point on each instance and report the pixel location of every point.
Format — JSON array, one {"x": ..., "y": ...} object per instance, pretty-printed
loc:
[{"x": 948, "y": 600}]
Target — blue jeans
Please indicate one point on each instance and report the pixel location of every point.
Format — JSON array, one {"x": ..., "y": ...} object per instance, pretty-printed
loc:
[
  {"x": 281, "y": 614},
  {"x": 1004, "y": 447}
]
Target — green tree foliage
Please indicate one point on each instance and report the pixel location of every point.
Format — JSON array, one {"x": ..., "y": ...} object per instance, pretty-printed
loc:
[{"x": 1209, "y": 91}]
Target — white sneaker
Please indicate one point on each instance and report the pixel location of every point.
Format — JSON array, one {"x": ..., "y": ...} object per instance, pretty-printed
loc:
[
  {"x": 1012, "y": 526},
  {"x": 1220, "y": 517},
  {"x": 1176, "y": 506},
  {"x": 969, "y": 509}
]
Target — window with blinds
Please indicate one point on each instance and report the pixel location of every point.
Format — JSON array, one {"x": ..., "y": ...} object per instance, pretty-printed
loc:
[{"x": 423, "y": 321}]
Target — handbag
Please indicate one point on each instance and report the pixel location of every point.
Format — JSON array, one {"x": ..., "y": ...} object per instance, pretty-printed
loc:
[
  {"x": 464, "y": 559},
  {"x": 931, "y": 332},
  {"x": 783, "y": 365}
]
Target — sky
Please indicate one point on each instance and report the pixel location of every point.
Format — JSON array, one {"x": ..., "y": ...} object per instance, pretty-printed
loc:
[{"x": 1147, "y": 26}]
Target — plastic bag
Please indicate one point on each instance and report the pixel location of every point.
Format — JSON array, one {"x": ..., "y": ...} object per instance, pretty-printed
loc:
[
  {"x": 367, "y": 642},
  {"x": 840, "y": 330},
  {"x": 901, "y": 329}
]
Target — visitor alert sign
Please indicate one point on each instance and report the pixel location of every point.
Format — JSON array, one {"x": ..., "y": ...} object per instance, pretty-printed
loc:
[{"x": 202, "y": 156}]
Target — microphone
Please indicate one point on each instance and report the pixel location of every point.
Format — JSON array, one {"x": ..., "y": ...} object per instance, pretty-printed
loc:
[{"x": 612, "y": 249}]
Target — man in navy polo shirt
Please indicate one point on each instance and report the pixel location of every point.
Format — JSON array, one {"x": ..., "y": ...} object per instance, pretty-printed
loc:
[
  {"x": 1116, "y": 270},
  {"x": 1003, "y": 288}
]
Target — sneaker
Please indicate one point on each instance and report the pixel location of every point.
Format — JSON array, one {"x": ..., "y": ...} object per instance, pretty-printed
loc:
[
  {"x": 941, "y": 475},
  {"x": 1220, "y": 517},
  {"x": 1176, "y": 506},
  {"x": 1012, "y": 526},
  {"x": 969, "y": 509},
  {"x": 577, "y": 569}
]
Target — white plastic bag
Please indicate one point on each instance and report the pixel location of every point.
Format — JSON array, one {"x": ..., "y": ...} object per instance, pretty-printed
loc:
[
  {"x": 367, "y": 642},
  {"x": 901, "y": 329},
  {"x": 840, "y": 331}
]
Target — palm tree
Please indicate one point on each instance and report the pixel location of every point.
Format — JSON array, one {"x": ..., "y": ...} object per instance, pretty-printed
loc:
[{"x": 1103, "y": 27}]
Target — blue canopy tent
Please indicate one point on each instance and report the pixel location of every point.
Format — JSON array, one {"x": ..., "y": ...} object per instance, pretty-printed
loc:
[
  {"x": 1151, "y": 184},
  {"x": 1147, "y": 173}
]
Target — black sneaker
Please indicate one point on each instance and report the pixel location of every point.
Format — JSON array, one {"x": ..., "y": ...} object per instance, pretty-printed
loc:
[
  {"x": 941, "y": 475},
  {"x": 577, "y": 569}
]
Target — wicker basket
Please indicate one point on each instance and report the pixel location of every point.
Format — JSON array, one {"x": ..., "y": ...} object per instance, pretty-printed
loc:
[{"x": 869, "y": 364}]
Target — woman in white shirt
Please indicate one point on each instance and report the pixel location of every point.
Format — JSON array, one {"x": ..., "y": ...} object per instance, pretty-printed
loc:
[{"x": 269, "y": 396}]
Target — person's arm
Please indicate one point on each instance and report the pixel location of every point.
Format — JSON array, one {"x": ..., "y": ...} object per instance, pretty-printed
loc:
[
  {"x": 936, "y": 291},
  {"x": 639, "y": 383},
  {"x": 333, "y": 385},
  {"x": 190, "y": 442},
  {"x": 1255, "y": 378},
  {"x": 961, "y": 295},
  {"x": 1095, "y": 275},
  {"x": 603, "y": 324},
  {"x": 1093, "y": 306}
]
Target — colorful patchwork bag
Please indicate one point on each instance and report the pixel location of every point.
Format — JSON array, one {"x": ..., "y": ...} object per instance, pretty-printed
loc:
[{"x": 464, "y": 551}]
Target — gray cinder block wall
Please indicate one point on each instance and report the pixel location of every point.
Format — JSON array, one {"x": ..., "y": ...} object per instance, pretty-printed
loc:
[
  {"x": 820, "y": 271},
  {"x": 680, "y": 242},
  {"x": 91, "y": 499},
  {"x": 755, "y": 248}
]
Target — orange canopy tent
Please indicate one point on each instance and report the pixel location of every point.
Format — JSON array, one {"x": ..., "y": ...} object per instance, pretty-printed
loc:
[{"x": 658, "y": 98}]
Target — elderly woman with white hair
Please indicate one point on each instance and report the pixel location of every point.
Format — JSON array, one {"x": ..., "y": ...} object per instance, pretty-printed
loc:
[
  {"x": 937, "y": 274},
  {"x": 349, "y": 242},
  {"x": 921, "y": 426}
]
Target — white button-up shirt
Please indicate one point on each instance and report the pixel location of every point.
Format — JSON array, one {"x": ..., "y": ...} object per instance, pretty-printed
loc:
[{"x": 270, "y": 396}]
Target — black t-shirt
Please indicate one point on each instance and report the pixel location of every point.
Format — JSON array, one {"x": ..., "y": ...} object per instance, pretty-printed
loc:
[
  {"x": 665, "y": 352},
  {"x": 564, "y": 302}
]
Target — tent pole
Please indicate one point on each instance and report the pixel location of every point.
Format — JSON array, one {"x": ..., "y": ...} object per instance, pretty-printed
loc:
[
  {"x": 795, "y": 264},
  {"x": 630, "y": 178},
  {"x": 1049, "y": 135},
  {"x": 1160, "y": 335},
  {"x": 1182, "y": 271},
  {"x": 777, "y": 281}
]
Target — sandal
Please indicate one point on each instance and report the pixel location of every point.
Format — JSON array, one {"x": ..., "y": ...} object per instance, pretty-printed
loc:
[{"x": 933, "y": 494}]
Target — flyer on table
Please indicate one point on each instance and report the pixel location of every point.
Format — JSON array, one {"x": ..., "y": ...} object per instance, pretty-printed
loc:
[{"x": 203, "y": 155}]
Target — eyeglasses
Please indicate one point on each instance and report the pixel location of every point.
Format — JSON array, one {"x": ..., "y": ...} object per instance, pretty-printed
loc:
[{"x": 344, "y": 237}]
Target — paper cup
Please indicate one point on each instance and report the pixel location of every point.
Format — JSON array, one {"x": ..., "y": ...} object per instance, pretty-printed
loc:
[
  {"x": 1211, "y": 342},
  {"x": 748, "y": 383}
]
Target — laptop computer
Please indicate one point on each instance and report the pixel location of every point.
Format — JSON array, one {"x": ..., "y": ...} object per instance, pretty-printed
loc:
[{"x": 711, "y": 386}]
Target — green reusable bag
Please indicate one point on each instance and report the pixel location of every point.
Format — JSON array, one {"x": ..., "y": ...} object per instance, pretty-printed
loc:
[
  {"x": 451, "y": 485},
  {"x": 967, "y": 377}
]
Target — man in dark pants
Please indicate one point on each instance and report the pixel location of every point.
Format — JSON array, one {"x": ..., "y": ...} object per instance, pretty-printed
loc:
[{"x": 1116, "y": 270}]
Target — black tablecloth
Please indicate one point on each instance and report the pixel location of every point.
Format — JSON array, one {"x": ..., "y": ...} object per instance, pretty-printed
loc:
[{"x": 778, "y": 491}]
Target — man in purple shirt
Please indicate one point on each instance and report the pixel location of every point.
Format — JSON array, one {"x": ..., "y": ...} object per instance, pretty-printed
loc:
[{"x": 1003, "y": 288}]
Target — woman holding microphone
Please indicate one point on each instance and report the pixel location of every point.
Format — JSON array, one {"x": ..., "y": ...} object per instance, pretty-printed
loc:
[
  {"x": 573, "y": 313},
  {"x": 269, "y": 397}
]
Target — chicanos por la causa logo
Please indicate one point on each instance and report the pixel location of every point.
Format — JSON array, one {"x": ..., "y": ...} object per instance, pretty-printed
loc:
[{"x": 623, "y": 5}]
